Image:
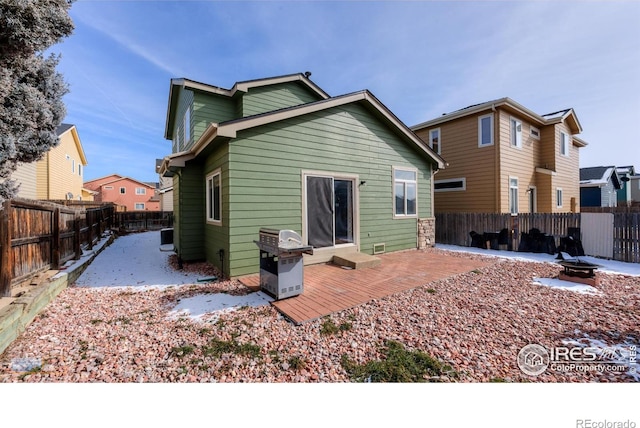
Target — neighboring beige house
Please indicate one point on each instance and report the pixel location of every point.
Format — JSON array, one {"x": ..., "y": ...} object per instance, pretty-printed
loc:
[
  {"x": 165, "y": 191},
  {"x": 504, "y": 158},
  {"x": 59, "y": 174}
]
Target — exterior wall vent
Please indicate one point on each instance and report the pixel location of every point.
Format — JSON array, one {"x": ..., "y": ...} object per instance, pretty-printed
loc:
[{"x": 378, "y": 248}]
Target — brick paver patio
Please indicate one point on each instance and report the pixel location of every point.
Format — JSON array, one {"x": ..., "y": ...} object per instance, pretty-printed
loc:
[{"x": 329, "y": 288}]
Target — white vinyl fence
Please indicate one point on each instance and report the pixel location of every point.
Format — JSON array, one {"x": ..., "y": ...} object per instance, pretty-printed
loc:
[{"x": 597, "y": 234}]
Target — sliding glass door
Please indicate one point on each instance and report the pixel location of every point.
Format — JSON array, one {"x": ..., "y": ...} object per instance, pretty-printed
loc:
[{"x": 330, "y": 211}]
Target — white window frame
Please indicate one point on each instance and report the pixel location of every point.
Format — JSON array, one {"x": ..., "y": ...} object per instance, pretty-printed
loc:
[
  {"x": 513, "y": 195},
  {"x": 187, "y": 126},
  {"x": 463, "y": 188},
  {"x": 537, "y": 134},
  {"x": 123, "y": 190},
  {"x": 515, "y": 128},
  {"x": 559, "y": 197},
  {"x": 405, "y": 183},
  {"x": 80, "y": 170},
  {"x": 564, "y": 144},
  {"x": 141, "y": 191},
  {"x": 438, "y": 148},
  {"x": 210, "y": 209},
  {"x": 108, "y": 187},
  {"x": 73, "y": 166},
  {"x": 137, "y": 206},
  {"x": 480, "y": 119}
]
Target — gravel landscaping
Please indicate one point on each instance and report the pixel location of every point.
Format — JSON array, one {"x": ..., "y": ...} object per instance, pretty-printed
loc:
[{"x": 476, "y": 323}]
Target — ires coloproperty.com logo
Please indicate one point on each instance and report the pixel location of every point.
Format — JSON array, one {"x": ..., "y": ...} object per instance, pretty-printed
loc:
[{"x": 535, "y": 359}]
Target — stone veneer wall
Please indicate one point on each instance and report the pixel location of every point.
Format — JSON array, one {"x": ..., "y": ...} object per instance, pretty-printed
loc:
[{"x": 426, "y": 233}]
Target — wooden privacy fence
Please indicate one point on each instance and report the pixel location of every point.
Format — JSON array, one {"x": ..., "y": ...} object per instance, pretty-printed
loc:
[
  {"x": 454, "y": 228},
  {"x": 133, "y": 221},
  {"x": 36, "y": 236},
  {"x": 626, "y": 236}
]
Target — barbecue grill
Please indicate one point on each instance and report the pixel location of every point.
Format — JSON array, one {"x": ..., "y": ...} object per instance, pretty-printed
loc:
[{"x": 281, "y": 264}]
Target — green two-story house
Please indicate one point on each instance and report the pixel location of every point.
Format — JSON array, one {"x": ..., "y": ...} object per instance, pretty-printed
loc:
[{"x": 344, "y": 172}]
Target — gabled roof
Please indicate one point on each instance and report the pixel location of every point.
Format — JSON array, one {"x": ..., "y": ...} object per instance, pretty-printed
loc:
[
  {"x": 183, "y": 83},
  {"x": 118, "y": 177},
  {"x": 567, "y": 115},
  {"x": 67, "y": 127},
  {"x": 230, "y": 128},
  {"x": 599, "y": 176}
]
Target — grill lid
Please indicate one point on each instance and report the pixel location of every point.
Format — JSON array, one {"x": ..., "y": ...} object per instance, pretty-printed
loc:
[{"x": 278, "y": 241}]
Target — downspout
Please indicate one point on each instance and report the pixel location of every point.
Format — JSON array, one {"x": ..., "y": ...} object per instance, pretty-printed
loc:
[
  {"x": 496, "y": 166},
  {"x": 178, "y": 220}
]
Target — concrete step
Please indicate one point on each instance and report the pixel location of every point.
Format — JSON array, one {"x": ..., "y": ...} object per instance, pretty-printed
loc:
[{"x": 356, "y": 260}]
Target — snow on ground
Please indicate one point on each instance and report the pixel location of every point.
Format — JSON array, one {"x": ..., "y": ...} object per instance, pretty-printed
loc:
[
  {"x": 138, "y": 260},
  {"x": 611, "y": 266},
  {"x": 198, "y": 306},
  {"x": 134, "y": 260},
  {"x": 566, "y": 285}
]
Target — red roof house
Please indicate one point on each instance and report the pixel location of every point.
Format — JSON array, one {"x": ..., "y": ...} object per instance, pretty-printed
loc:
[{"x": 125, "y": 192}]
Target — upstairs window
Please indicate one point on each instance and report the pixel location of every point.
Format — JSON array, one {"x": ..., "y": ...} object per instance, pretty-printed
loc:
[
  {"x": 434, "y": 140},
  {"x": 485, "y": 130},
  {"x": 123, "y": 190},
  {"x": 187, "y": 126},
  {"x": 450, "y": 185},
  {"x": 141, "y": 191},
  {"x": 405, "y": 192},
  {"x": 516, "y": 133},
  {"x": 564, "y": 144}
]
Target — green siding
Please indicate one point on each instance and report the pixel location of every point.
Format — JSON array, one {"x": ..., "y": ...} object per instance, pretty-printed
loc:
[
  {"x": 185, "y": 99},
  {"x": 266, "y": 180},
  {"x": 208, "y": 108},
  {"x": 189, "y": 216},
  {"x": 217, "y": 236},
  {"x": 268, "y": 98}
]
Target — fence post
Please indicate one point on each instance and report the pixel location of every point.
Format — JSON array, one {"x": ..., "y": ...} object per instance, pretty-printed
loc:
[
  {"x": 55, "y": 242},
  {"x": 5, "y": 250},
  {"x": 89, "y": 216},
  {"x": 77, "y": 247}
]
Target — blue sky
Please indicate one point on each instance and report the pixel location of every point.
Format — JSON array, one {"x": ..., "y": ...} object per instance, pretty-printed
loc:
[{"x": 420, "y": 58}]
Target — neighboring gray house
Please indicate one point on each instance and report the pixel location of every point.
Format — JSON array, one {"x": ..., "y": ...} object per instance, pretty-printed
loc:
[
  {"x": 599, "y": 186},
  {"x": 634, "y": 186},
  {"x": 279, "y": 152},
  {"x": 625, "y": 173}
]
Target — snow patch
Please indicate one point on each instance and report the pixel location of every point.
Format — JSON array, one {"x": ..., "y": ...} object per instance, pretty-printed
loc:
[
  {"x": 567, "y": 285},
  {"x": 215, "y": 304}
]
